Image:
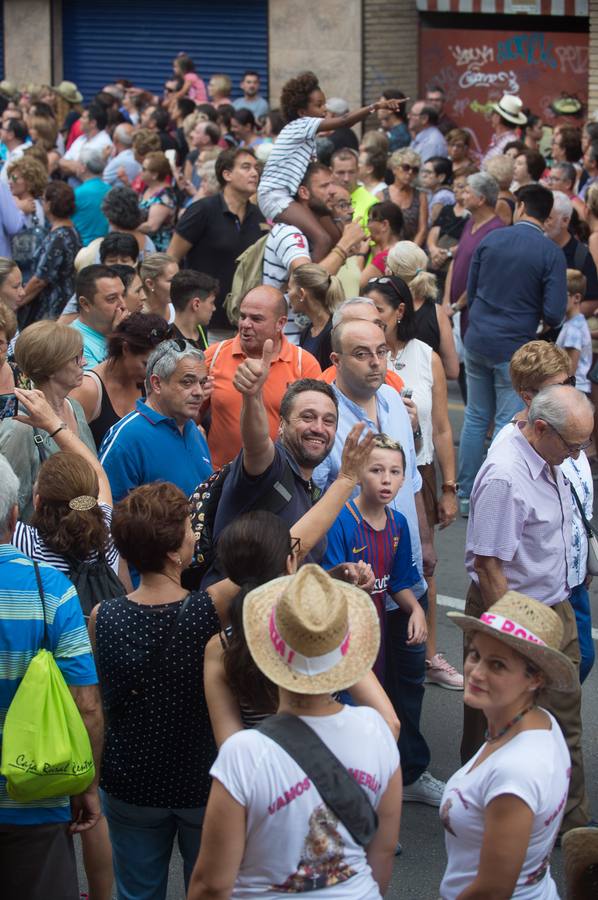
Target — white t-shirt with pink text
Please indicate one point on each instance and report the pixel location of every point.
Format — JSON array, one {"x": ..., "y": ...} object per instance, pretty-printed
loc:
[
  {"x": 534, "y": 766},
  {"x": 294, "y": 843}
]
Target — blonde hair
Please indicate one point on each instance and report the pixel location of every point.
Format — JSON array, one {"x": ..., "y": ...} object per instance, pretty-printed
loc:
[
  {"x": 33, "y": 172},
  {"x": 326, "y": 289},
  {"x": 592, "y": 200},
  {"x": 222, "y": 84},
  {"x": 6, "y": 267},
  {"x": 146, "y": 141},
  {"x": 8, "y": 321},
  {"x": 43, "y": 348},
  {"x": 382, "y": 441},
  {"x": 47, "y": 131},
  {"x": 409, "y": 262},
  {"x": 536, "y": 361},
  {"x": 501, "y": 169},
  {"x": 153, "y": 264},
  {"x": 405, "y": 155},
  {"x": 190, "y": 121},
  {"x": 577, "y": 283},
  {"x": 374, "y": 140}
]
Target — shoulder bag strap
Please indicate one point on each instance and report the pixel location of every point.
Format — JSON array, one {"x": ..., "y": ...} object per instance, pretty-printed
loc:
[
  {"x": 40, "y": 589},
  {"x": 586, "y": 524},
  {"x": 337, "y": 787}
]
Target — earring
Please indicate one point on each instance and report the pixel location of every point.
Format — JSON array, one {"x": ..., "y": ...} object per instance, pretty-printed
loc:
[
  {"x": 179, "y": 561},
  {"x": 399, "y": 320}
]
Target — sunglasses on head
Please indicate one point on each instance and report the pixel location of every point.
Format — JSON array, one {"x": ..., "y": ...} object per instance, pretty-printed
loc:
[
  {"x": 404, "y": 297},
  {"x": 407, "y": 168}
]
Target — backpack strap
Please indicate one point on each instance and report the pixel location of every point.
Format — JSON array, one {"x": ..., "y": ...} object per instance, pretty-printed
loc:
[
  {"x": 580, "y": 256},
  {"x": 280, "y": 493},
  {"x": 338, "y": 789},
  {"x": 216, "y": 352},
  {"x": 300, "y": 360},
  {"x": 40, "y": 590}
]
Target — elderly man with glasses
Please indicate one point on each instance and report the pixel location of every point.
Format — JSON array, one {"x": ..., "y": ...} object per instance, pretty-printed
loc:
[
  {"x": 519, "y": 538},
  {"x": 159, "y": 440}
]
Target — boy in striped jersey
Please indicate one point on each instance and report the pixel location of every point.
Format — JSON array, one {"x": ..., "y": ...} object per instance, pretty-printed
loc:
[
  {"x": 304, "y": 107},
  {"x": 368, "y": 529}
]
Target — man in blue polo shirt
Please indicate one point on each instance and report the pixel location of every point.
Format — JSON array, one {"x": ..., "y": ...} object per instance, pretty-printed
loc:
[
  {"x": 160, "y": 441},
  {"x": 36, "y": 845}
]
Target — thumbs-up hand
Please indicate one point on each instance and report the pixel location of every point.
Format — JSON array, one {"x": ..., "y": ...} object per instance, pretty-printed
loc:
[{"x": 252, "y": 373}]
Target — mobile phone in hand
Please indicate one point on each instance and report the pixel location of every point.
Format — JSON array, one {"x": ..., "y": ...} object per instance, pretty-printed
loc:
[
  {"x": 406, "y": 393},
  {"x": 9, "y": 406}
]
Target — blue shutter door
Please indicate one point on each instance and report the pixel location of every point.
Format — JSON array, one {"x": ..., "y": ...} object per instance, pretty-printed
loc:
[
  {"x": 138, "y": 39},
  {"x": 1, "y": 40}
]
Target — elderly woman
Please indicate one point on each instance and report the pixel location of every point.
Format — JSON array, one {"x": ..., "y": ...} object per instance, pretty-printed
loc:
[
  {"x": 422, "y": 372},
  {"x": 53, "y": 281},
  {"x": 110, "y": 391},
  {"x": 432, "y": 325},
  {"x": 246, "y": 847},
  {"x": 149, "y": 649},
  {"x": 503, "y": 809},
  {"x": 405, "y": 165},
  {"x": 27, "y": 180},
  {"x": 534, "y": 366},
  {"x": 51, "y": 355}
]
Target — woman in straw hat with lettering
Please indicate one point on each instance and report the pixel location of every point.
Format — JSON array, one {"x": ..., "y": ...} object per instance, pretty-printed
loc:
[
  {"x": 267, "y": 831},
  {"x": 503, "y": 809}
]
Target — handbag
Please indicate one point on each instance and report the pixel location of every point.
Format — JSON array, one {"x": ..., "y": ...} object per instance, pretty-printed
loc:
[
  {"x": 592, "y": 564},
  {"x": 46, "y": 751},
  {"x": 26, "y": 243},
  {"x": 338, "y": 789}
]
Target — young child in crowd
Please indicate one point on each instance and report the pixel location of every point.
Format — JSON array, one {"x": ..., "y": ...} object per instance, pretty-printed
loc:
[
  {"x": 370, "y": 530},
  {"x": 304, "y": 108},
  {"x": 575, "y": 336},
  {"x": 193, "y": 87}
]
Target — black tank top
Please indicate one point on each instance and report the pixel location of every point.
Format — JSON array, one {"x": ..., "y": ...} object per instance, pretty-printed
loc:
[
  {"x": 427, "y": 328},
  {"x": 107, "y": 417}
]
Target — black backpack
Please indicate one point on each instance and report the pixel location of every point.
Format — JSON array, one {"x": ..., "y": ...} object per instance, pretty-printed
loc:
[
  {"x": 204, "y": 506},
  {"x": 95, "y": 582}
]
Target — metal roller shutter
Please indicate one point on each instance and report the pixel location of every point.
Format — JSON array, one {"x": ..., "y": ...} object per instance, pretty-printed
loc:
[{"x": 138, "y": 39}]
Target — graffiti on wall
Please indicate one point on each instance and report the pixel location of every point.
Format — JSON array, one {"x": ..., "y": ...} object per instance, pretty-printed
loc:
[{"x": 475, "y": 68}]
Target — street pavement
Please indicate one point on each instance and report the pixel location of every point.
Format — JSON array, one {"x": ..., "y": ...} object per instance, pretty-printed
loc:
[{"x": 418, "y": 871}]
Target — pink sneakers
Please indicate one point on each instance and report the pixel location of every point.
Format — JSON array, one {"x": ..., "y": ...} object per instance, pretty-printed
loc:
[{"x": 439, "y": 671}]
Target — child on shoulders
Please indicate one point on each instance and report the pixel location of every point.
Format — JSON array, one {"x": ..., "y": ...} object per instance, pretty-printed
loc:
[{"x": 575, "y": 336}]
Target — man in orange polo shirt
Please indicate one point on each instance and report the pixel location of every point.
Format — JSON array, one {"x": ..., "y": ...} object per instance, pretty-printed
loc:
[{"x": 262, "y": 315}]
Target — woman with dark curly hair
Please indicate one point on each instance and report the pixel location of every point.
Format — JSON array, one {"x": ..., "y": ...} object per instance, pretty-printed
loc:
[
  {"x": 53, "y": 279},
  {"x": 304, "y": 107},
  {"x": 149, "y": 649},
  {"x": 110, "y": 391}
]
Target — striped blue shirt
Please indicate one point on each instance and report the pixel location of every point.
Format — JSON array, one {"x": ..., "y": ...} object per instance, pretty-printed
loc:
[
  {"x": 292, "y": 153},
  {"x": 21, "y": 636}
]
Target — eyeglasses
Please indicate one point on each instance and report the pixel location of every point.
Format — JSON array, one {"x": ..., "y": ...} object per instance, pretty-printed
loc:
[
  {"x": 79, "y": 360},
  {"x": 572, "y": 448},
  {"x": 571, "y": 381},
  {"x": 407, "y": 168},
  {"x": 367, "y": 355},
  {"x": 295, "y": 545},
  {"x": 15, "y": 177},
  {"x": 386, "y": 279}
]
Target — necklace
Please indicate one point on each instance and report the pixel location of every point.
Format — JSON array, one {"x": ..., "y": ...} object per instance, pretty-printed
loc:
[
  {"x": 396, "y": 361},
  {"x": 503, "y": 731}
]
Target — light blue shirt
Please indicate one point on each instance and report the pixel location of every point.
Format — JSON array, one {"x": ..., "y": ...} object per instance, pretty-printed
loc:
[
  {"x": 429, "y": 142},
  {"x": 258, "y": 106},
  {"x": 393, "y": 420},
  {"x": 95, "y": 346},
  {"x": 125, "y": 160}
]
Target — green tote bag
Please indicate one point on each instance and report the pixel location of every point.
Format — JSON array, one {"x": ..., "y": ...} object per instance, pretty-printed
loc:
[{"x": 46, "y": 750}]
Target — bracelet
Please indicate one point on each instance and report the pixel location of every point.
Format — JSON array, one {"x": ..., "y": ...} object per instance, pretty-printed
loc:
[
  {"x": 61, "y": 427},
  {"x": 450, "y": 487},
  {"x": 417, "y": 434},
  {"x": 340, "y": 252}
]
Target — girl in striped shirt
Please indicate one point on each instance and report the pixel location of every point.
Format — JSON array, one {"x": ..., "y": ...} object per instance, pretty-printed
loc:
[{"x": 304, "y": 107}]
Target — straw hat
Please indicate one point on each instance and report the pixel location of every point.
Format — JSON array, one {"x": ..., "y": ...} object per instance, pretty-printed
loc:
[
  {"x": 8, "y": 88},
  {"x": 509, "y": 107},
  {"x": 580, "y": 846},
  {"x": 69, "y": 91},
  {"x": 310, "y": 633},
  {"x": 532, "y": 629}
]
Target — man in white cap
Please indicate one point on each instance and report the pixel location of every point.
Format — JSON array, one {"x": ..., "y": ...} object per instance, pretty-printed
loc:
[{"x": 505, "y": 114}]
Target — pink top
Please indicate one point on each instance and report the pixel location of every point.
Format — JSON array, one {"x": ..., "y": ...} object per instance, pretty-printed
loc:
[
  {"x": 520, "y": 512},
  {"x": 197, "y": 89}
]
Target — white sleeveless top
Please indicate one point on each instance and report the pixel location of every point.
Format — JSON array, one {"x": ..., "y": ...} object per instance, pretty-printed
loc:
[{"x": 414, "y": 364}]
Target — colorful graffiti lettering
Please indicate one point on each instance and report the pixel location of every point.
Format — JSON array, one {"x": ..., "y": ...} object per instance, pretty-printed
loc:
[
  {"x": 472, "y": 78},
  {"x": 533, "y": 49}
]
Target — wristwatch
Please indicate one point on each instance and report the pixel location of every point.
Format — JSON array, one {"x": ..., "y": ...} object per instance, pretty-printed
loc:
[{"x": 450, "y": 487}]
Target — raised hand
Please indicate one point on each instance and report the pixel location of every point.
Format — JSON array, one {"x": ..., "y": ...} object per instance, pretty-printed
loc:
[
  {"x": 41, "y": 415},
  {"x": 251, "y": 375},
  {"x": 356, "y": 452}
]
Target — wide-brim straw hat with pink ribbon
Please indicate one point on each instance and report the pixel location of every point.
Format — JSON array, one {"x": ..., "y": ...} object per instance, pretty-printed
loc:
[
  {"x": 310, "y": 633},
  {"x": 532, "y": 629}
]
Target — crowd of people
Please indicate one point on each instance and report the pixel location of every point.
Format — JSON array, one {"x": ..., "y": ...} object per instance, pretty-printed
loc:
[{"x": 226, "y": 337}]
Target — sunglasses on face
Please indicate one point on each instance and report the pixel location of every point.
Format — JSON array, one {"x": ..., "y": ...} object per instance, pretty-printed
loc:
[{"x": 407, "y": 168}]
